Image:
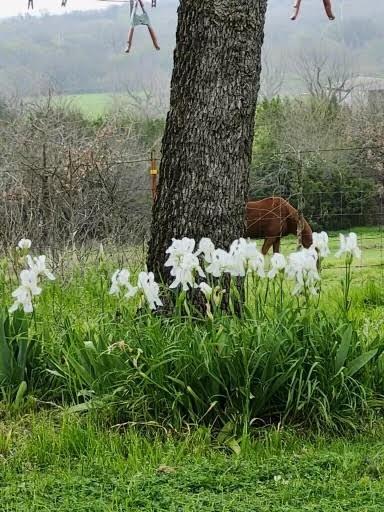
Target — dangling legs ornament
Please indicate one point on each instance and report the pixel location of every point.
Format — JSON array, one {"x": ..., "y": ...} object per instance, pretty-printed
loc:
[
  {"x": 327, "y": 7},
  {"x": 140, "y": 19}
]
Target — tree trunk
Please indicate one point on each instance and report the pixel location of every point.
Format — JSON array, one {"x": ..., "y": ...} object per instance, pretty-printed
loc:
[{"x": 207, "y": 145}]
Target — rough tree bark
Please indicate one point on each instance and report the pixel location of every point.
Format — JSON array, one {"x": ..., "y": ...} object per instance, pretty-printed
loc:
[{"x": 207, "y": 144}]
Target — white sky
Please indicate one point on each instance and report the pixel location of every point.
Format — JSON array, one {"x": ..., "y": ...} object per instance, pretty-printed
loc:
[{"x": 15, "y": 7}]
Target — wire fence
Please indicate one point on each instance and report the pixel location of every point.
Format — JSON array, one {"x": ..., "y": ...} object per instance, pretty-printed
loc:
[
  {"x": 332, "y": 197},
  {"x": 115, "y": 211}
]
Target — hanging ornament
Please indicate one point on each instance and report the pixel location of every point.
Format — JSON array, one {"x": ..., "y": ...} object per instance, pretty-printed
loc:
[
  {"x": 327, "y": 7},
  {"x": 137, "y": 19},
  {"x": 63, "y": 3},
  {"x": 140, "y": 19}
]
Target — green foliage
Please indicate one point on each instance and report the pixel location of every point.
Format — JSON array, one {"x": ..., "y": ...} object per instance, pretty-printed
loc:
[
  {"x": 151, "y": 130},
  {"x": 290, "y": 362},
  {"x": 18, "y": 356},
  {"x": 312, "y": 371}
]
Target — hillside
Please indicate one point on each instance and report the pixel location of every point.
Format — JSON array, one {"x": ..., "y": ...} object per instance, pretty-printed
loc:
[{"x": 83, "y": 52}]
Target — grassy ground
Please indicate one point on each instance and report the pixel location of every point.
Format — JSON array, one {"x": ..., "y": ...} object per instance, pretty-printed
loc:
[{"x": 62, "y": 464}]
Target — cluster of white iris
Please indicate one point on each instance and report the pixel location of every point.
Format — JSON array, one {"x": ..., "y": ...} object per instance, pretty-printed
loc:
[
  {"x": 190, "y": 265},
  {"x": 146, "y": 286},
  {"x": 29, "y": 278}
]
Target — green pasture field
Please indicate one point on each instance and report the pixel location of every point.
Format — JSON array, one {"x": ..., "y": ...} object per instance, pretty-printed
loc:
[
  {"x": 91, "y": 105},
  {"x": 371, "y": 242},
  {"x": 368, "y": 272},
  {"x": 94, "y": 105},
  {"x": 371, "y": 265}
]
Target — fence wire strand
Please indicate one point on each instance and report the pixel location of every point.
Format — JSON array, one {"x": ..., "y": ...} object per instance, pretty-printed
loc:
[{"x": 272, "y": 181}]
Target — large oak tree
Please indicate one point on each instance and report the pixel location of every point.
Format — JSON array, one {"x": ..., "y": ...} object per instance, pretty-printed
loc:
[{"x": 207, "y": 145}]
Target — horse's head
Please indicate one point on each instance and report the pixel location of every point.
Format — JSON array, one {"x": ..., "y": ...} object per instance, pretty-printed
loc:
[
  {"x": 306, "y": 236},
  {"x": 297, "y": 224}
]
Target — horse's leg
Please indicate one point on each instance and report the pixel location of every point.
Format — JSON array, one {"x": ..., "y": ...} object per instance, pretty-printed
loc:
[
  {"x": 268, "y": 242},
  {"x": 276, "y": 245}
]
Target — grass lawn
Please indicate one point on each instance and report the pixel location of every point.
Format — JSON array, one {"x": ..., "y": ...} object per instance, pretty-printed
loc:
[{"x": 64, "y": 464}]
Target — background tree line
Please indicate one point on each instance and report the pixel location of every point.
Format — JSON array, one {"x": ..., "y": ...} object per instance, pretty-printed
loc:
[
  {"x": 83, "y": 52},
  {"x": 66, "y": 177}
]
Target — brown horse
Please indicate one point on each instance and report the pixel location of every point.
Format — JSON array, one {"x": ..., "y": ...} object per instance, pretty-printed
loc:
[{"x": 273, "y": 218}]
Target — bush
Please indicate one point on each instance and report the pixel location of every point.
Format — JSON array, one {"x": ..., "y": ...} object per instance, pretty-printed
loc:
[{"x": 68, "y": 179}]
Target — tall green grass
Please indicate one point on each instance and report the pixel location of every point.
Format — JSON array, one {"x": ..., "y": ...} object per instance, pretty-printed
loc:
[{"x": 232, "y": 374}]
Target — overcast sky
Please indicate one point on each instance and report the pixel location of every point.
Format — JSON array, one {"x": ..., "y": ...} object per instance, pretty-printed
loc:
[{"x": 15, "y": 7}]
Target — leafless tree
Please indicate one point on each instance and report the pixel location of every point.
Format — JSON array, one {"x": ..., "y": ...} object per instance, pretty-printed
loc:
[
  {"x": 63, "y": 179},
  {"x": 147, "y": 100},
  {"x": 272, "y": 75},
  {"x": 325, "y": 73}
]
